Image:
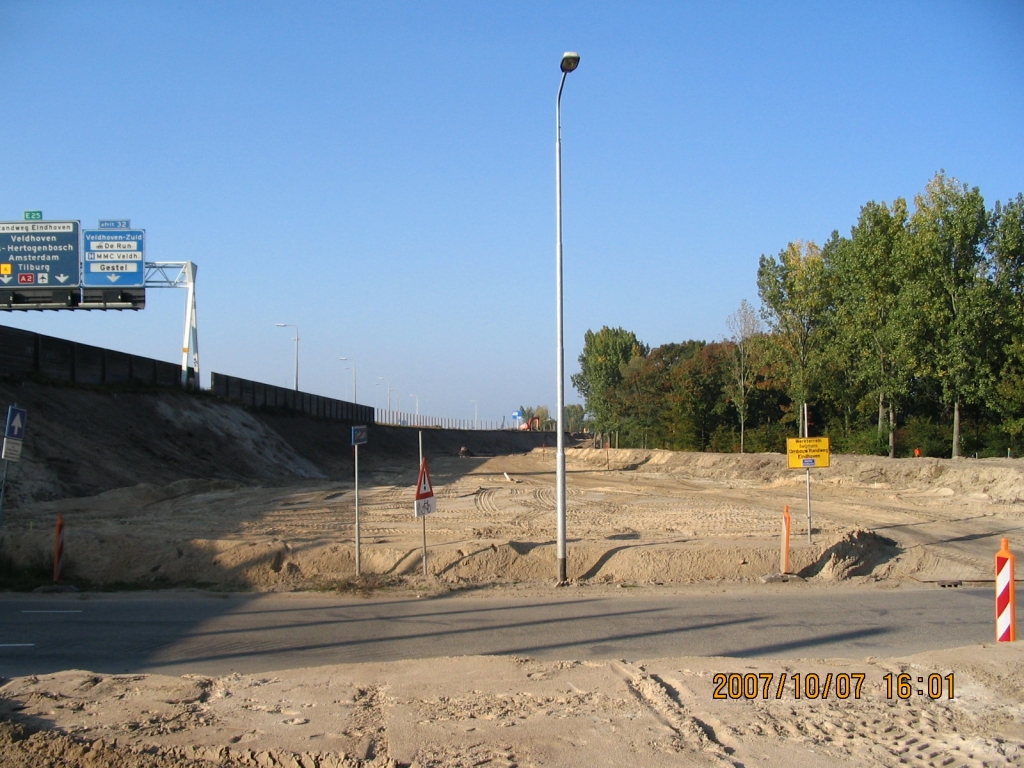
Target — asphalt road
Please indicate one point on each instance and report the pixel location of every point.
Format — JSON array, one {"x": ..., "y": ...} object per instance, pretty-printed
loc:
[{"x": 208, "y": 633}]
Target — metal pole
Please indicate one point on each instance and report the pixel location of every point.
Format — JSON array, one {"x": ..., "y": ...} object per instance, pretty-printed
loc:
[
  {"x": 190, "y": 344},
  {"x": 359, "y": 569},
  {"x": 560, "y": 350},
  {"x": 809, "y": 541},
  {"x": 3, "y": 487},
  {"x": 355, "y": 396},
  {"x": 424, "y": 517},
  {"x": 291, "y": 325}
]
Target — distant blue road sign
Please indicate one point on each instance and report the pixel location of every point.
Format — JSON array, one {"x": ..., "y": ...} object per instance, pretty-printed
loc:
[
  {"x": 39, "y": 254},
  {"x": 113, "y": 258},
  {"x": 517, "y": 414},
  {"x": 16, "y": 418},
  {"x": 359, "y": 435}
]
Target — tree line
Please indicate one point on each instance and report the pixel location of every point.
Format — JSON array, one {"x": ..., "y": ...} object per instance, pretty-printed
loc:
[{"x": 906, "y": 334}]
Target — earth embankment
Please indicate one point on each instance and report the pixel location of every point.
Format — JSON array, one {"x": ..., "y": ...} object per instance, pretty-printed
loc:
[{"x": 84, "y": 441}]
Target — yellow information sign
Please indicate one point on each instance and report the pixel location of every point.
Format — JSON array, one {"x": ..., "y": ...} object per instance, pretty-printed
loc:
[{"x": 807, "y": 452}]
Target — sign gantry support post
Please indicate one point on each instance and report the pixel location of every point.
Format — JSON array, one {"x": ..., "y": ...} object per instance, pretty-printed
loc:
[{"x": 180, "y": 274}]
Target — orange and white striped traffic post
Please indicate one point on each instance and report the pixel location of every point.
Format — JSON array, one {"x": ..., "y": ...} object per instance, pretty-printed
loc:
[
  {"x": 786, "y": 523},
  {"x": 1006, "y": 598},
  {"x": 58, "y": 548}
]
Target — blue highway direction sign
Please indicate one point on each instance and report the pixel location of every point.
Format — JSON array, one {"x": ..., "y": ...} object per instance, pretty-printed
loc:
[
  {"x": 16, "y": 418},
  {"x": 359, "y": 435},
  {"x": 115, "y": 224},
  {"x": 113, "y": 257},
  {"x": 39, "y": 254}
]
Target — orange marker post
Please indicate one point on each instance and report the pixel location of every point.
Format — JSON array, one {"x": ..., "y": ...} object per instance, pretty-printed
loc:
[
  {"x": 1006, "y": 597},
  {"x": 786, "y": 523},
  {"x": 58, "y": 548}
]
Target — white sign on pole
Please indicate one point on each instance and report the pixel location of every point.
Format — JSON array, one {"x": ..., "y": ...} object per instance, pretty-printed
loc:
[
  {"x": 426, "y": 503},
  {"x": 12, "y": 449}
]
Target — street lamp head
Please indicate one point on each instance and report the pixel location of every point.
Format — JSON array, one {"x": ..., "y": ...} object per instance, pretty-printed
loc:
[
  {"x": 280, "y": 325},
  {"x": 570, "y": 60}
]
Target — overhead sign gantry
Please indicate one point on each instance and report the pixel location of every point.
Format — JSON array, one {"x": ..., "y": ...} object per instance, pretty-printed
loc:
[{"x": 55, "y": 265}]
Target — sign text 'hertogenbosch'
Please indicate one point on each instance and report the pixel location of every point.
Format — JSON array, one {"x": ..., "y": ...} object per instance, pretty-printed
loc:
[
  {"x": 39, "y": 254},
  {"x": 113, "y": 257}
]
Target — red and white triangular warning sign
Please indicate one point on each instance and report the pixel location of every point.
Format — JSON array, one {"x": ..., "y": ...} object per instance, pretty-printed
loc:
[
  {"x": 423, "y": 487},
  {"x": 425, "y": 501}
]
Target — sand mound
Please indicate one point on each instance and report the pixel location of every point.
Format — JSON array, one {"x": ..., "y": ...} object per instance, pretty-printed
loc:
[
  {"x": 855, "y": 553},
  {"x": 999, "y": 480}
]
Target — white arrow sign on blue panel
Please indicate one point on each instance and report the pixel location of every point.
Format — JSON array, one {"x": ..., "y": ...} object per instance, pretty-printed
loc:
[
  {"x": 16, "y": 418},
  {"x": 114, "y": 257}
]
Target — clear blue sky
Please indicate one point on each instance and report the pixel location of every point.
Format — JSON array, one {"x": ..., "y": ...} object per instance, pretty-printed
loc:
[{"x": 382, "y": 174}]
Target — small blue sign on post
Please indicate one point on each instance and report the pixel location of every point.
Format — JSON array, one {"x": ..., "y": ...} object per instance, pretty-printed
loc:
[
  {"x": 16, "y": 418},
  {"x": 14, "y": 434},
  {"x": 359, "y": 435},
  {"x": 113, "y": 257}
]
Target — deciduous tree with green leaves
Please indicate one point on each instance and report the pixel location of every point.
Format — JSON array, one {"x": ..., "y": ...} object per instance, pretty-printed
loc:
[
  {"x": 795, "y": 300},
  {"x": 953, "y": 299},
  {"x": 744, "y": 327},
  {"x": 604, "y": 353}
]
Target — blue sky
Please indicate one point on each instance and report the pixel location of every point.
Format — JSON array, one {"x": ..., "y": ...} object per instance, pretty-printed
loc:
[{"x": 382, "y": 174}]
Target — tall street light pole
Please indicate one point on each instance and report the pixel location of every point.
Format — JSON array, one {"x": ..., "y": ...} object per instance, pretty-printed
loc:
[
  {"x": 355, "y": 397},
  {"x": 570, "y": 61},
  {"x": 289, "y": 325},
  {"x": 476, "y": 413},
  {"x": 380, "y": 379}
]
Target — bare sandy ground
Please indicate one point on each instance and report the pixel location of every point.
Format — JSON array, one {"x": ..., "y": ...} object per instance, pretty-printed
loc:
[
  {"x": 485, "y": 711},
  {"x": 633, "y": 517}
]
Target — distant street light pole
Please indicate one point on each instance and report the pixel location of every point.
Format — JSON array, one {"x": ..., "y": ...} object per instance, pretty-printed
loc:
[
  {"x": 379, "y": 380},
  {"x": 355, "y": 397},
  {"x": 475, "y": 414},
  {"x": 570, "y": 61},
  {"x": 417, "y": 404},
  {"x": 289, "y": 325}
]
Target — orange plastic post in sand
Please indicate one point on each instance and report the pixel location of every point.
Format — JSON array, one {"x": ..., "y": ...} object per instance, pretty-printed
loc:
[
  {"x": 786, "y": 522},
  {"x": 1006, "y": 597}
]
